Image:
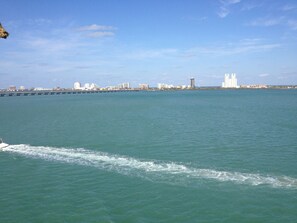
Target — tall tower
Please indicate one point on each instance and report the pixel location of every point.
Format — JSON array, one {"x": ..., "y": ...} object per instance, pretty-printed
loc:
[
  {"x": 192, "y": 83},
  {"x": 234, "y": 81},
  {"x": 227, "y": 80},
  {"x": 77, "y": 86}
]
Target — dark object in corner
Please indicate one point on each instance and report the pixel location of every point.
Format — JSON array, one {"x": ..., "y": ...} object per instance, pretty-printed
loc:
[{"x": 3, "y": 33}]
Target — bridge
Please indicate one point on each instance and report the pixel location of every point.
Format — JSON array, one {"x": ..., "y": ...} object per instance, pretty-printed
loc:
[{"x": 56, "y": 92}]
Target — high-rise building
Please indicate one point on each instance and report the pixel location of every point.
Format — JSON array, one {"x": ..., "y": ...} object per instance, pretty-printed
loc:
[
  {"x": 93, "y": 86},
  {"x": 230, "y": 81},
  {"x": 77, "y": 86},
  {"x": 125, "y": 86},
  {"x": 192, "y": 82}
]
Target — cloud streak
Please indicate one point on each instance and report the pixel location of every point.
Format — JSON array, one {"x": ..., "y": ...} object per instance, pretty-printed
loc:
[
  {"x": 267, "y": 21},
  {"x": 289, "y": 7},
  {"x": 152, "y": 53},
  {"x": 292, "y": 24},
  {"x": 95, "y": 27},
  {"x": 250, "y": 6},
  {"x": 226, "y": 49},
  {"x": 98, "y": 31},
  {"x": 100, "y": 34},
  {"x": 264, "y": 75},
  {"x": 225, "y": 7},
  {"x": 277, "y": 21}
]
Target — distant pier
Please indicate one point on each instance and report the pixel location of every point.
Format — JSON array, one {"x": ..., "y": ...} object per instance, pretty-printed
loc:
[{"x": 56, "y": 92}]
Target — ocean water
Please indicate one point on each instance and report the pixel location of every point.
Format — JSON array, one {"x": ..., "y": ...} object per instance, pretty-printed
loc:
[{"x": 190, "y": 156}]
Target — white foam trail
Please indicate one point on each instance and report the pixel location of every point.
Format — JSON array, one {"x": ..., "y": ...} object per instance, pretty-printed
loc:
[{"x": 162, "y": 171}]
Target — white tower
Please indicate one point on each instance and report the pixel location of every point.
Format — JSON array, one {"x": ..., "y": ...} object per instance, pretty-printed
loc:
[
  {"x": 77, "y": 86},
  {"x": 230, "y": 81},
  {"x": 87, "y": 86},
  {"x": 93, "y": 86},
  {"x": 234, "y": 81}
]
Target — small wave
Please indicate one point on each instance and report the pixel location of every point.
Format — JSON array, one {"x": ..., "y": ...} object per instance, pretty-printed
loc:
[{"x": 149, "y": 169}]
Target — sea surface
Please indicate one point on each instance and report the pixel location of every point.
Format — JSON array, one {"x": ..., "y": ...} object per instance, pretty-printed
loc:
[{"x": 184, "y": 156}]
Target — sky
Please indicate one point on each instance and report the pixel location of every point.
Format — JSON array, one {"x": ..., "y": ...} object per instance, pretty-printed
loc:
[{"x": 58, "y": 42}]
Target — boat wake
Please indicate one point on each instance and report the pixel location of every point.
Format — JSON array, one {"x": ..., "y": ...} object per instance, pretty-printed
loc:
[{"x": 169, "y": 172}]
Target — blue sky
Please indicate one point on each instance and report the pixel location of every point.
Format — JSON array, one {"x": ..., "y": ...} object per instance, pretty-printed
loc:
[{"x": 57, "y": 42}]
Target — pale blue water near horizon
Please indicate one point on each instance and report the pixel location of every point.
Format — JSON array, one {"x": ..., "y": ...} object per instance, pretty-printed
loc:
[{"x": 190, "y": 156}]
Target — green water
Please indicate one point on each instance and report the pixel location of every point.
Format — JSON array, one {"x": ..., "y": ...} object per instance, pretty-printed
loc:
[{"x": 196, "y": 156}]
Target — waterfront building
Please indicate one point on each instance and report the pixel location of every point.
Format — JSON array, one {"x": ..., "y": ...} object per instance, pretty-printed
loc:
[
  {"x": 192, "y": 82},
  {"x": 230, "y": 81},
  {"x": 42, "y": 89},
  {"x": 77, "y": 86},
  {"x": 124, "y": 86},
  {"x": 93, "y": 86},
  {"x": 21, "y": 88},
  {"x": 112, "y": 88},
  {"x": 87, "y": 86},
  {"x": 12, "y": 88},
  {"x": 165, "y": 86},
  {"x": 254, "y": 86},
  {"x": 144, "y": 86}
]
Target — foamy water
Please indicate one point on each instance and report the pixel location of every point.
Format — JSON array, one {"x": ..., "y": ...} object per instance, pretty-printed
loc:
[{"x": 168, "y": 172}]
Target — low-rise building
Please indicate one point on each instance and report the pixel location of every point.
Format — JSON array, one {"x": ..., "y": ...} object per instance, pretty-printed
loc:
[
  {"x": 11, "y": 88},
  {"x": 144, "y": 86}
]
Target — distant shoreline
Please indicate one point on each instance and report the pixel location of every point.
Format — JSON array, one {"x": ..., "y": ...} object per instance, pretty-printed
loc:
[{"x": 5, "y": 93}]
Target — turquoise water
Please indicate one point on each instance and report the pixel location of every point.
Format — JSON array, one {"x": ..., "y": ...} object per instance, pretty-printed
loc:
[{"x": 196, "y": 156}]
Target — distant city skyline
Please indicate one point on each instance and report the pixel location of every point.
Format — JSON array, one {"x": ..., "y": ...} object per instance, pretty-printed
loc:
[
  {"x": 91, "y": 86},
  {"x": 230, "y": 82},
  {"x": 56, "y": 43}
]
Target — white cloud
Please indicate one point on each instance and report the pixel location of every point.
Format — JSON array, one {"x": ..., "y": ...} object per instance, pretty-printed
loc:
[
  {"x": 225, "y": 49},
  {"x": 223, "y": 12},
  {"x": 250, "y": 6},
  {"x": 264, "y": 75},
  {"x": 230, "y": 2},
  {"x": 292, "y": 24},
  {"x": 217, "y": 50},
  {"x": 98, "y": 31},
  {"x": 39, "y": 21},
  {"x": 49, "y": 45},
  {"x": 225, "y": 7},
  {"x": 289, "y": 7},
  {"x": 194, "y": 18},
  {"x": 153, "y": 53},
  {"x": 95, "y": 27},
  {"x": 100, "y": 34},
  {"x": 266, "y": 21}
]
